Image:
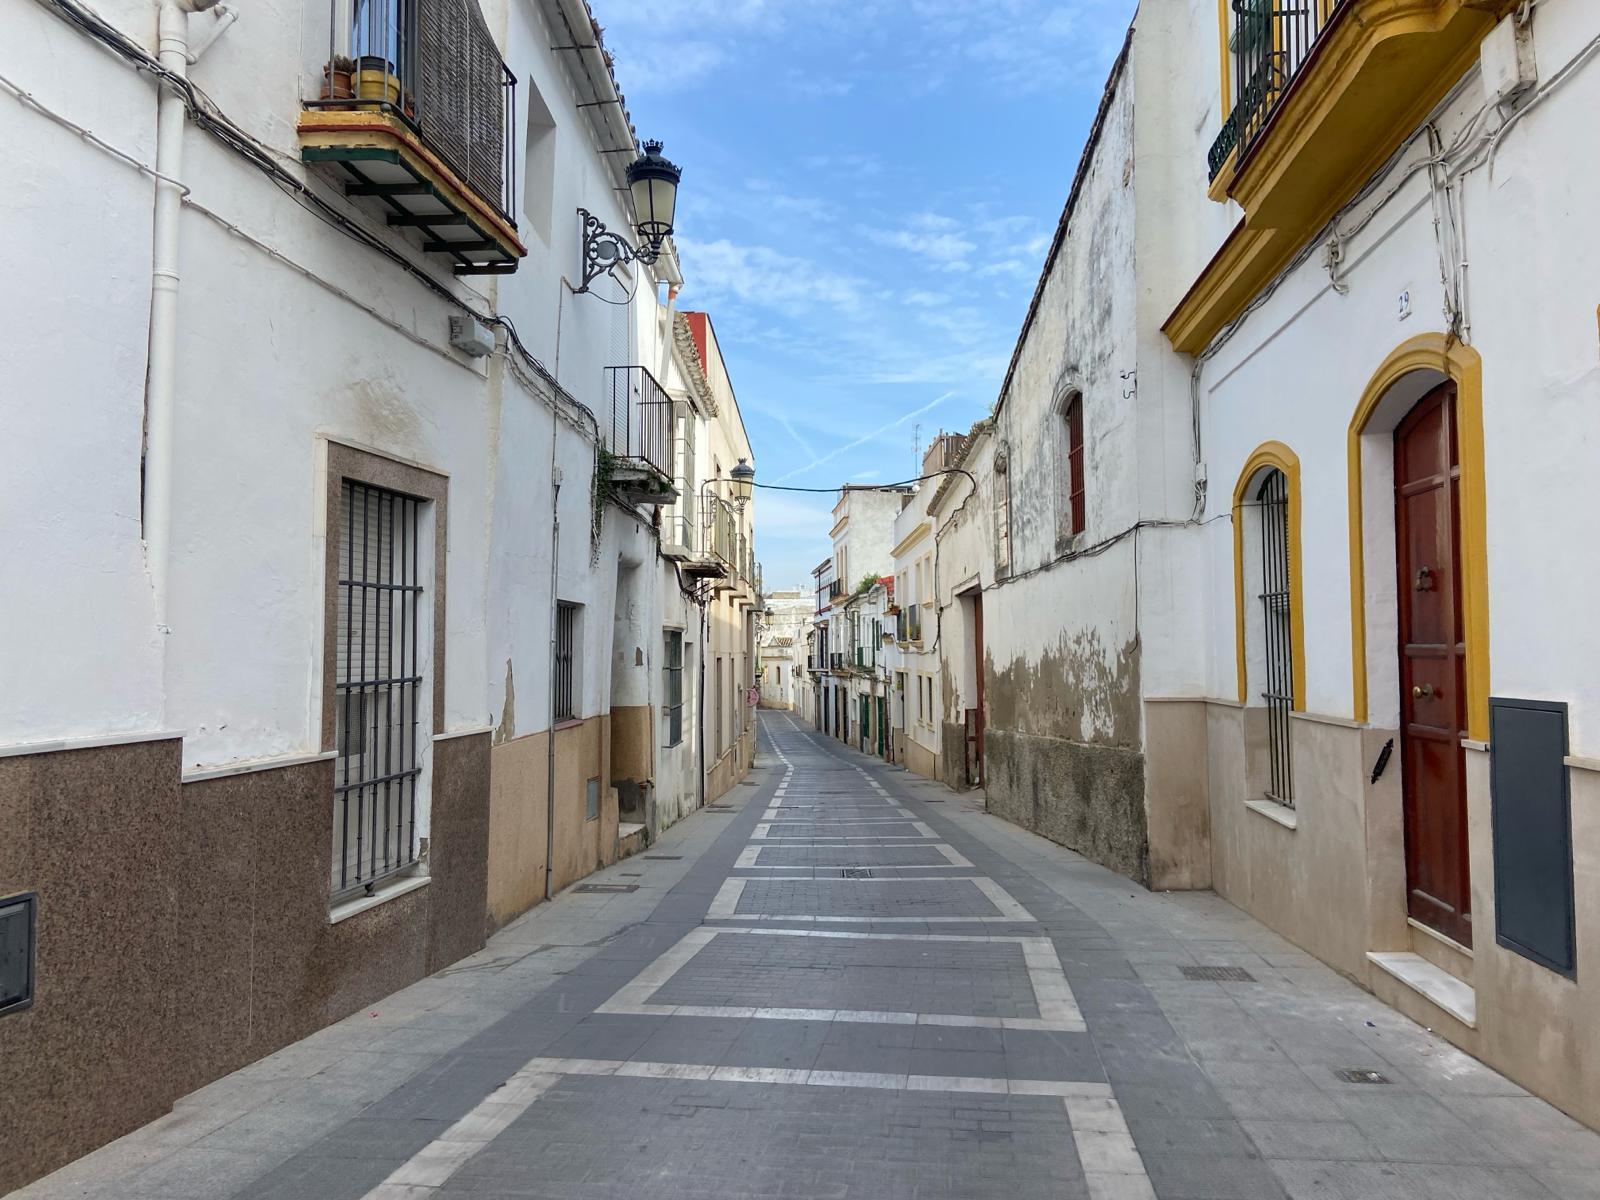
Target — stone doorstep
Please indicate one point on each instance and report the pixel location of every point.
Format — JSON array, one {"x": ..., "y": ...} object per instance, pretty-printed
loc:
[
  {"x": 1432, "y": 983},
  {"x": 631, "y": 839}
]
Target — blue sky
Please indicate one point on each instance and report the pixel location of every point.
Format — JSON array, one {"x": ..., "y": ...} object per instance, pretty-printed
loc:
[{"x": 868, "y": 192}]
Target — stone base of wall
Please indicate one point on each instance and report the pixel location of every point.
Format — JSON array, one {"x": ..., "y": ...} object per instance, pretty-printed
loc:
[
  {"x": 953, "y": 755},
  {"x": 1087, "y": 798},
  {"x": 183, "y": 928}
]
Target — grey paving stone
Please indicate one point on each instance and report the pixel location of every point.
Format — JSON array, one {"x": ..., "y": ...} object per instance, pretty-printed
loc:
[{"x": 1314, "y": 1138}]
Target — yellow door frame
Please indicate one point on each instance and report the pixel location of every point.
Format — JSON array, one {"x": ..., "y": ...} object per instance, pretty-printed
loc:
[{"x": 1464, "y": 367}]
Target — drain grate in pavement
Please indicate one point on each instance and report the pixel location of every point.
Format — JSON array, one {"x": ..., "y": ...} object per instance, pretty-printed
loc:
[
  {"x": 1218, "y": 974},
  {"x": 856, "y": 873},
  {"x": 607, "y": 887},
  {"x": 664, "y": 857},
  {"x": 1357, "y": 1075}
]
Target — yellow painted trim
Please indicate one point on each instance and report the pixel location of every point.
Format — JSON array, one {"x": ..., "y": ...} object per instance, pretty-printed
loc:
[
  {"x": 839, "y": 525},
  {"x": 910, "y": 540},
  {"x": 1380, "y": 66},
  {"x": 1462, "y": 364},
  {"x": 1272, "y": 454},
  {"x": 1227, "y": 64}
]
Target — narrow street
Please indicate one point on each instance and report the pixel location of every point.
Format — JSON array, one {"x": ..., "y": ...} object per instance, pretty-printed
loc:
[{"x": 844, "y": 981}]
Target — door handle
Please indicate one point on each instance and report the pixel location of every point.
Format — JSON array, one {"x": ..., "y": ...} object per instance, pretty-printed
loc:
[{"x": 1423, "y": 691}]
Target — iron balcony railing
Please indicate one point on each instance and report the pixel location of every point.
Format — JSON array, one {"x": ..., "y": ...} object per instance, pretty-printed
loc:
[
  {"x": 1269, "y": 42},
  {"x": 908, "y": 624},
  {"x": 835, "y": 589},
  {"x": 434, "y": 65},
  {"x": 722, "y": 530},
  {"x": 641, "y": 418}
]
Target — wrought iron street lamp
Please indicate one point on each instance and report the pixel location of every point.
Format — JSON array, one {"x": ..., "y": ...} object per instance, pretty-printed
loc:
[
  {"x": 653, "y": 190},
  {"x": 743, "y": 480},
  {"x": 653, "y": 183}
]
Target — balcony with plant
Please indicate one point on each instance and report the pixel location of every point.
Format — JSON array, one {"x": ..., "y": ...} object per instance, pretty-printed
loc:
[{"x": 414, "y": 112}]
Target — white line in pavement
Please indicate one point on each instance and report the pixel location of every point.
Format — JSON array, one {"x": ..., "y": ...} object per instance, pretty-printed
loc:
[
  {"x": 725, "y": 904},
  {"x": 796, "y": 829},
  {"x": 1058, "y": 1008},
  {"x": 748, "y": 857},
  {"x": 428, "y": 1169},
  {"x": 1067, "y": 1089}
]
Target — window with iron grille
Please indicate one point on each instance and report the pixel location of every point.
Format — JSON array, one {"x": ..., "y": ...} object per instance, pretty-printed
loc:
[
  {"x": 1278, "y": 683},
  {"x": 566, "y": 660},
  {"x": 1072, "y": 476},
  {"x": 377, "y": 682},
  {"x": 672, "y": 692}
]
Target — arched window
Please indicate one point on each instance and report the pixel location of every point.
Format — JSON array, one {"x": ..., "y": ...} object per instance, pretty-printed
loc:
[
  {"x": 1269, "y": 611},
  {"x": 1276, "y": 686},
  {"x": 1072, "y": 509}
]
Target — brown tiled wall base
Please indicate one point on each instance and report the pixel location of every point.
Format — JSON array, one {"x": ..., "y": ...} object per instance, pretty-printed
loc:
[{"x": 183, "y": 929}]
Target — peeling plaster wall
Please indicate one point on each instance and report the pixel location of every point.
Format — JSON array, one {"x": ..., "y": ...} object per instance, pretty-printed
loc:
[{"x": 1062, "y": 655}]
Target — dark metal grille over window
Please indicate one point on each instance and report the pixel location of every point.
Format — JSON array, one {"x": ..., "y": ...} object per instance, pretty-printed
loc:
[
  {"x": 377, "y": 683},
  {"x": 673, "y": 669},
  {"x": 1268, "y": 43},
  {"x": 565, "y": 660},
  {"x": 1278, "y": 693}
]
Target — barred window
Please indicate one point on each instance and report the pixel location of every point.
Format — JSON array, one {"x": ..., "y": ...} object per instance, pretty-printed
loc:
[
  {"x": 1278, "y": 683},
  {"x": 566, "y": 660},
  {"x": 377, "y": 675},
  {"x": 672, "y": 692}
]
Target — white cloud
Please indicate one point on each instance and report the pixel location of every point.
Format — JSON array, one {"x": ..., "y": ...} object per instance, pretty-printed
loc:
[{"x": 761, "y": 276}]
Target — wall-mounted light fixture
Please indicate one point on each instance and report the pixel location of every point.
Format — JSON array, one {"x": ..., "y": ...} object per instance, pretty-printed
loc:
[{"x": 653, "y": 189}]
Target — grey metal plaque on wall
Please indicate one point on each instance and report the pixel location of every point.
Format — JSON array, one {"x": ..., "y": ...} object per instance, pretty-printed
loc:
[
  {"x": 1532, "y": 824},
  {"x": 16, "y": 951}
]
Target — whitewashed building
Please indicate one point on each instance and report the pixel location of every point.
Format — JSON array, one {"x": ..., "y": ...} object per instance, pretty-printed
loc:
[
  {"x": 1254, "y": 588},
  {"x": 354, "y": 612},
  {"x": 786, "y": 618}
]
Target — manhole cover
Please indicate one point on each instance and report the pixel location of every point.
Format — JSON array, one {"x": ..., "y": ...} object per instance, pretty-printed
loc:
[
  {"x": 607, "y": 887},
  {"x": 856, "y": 873},
  {"x": 1219, "y": 974},
  {"x": 1356, "y": 1075},
  {"x": 664, "y": 857}
]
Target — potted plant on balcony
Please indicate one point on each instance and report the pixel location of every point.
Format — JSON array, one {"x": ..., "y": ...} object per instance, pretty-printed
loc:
[
  {"x": 376, "y": 80},
  {"x": 338, "y": 78}
]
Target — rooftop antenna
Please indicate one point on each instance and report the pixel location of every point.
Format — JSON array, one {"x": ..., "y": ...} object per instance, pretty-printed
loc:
[{"x": 916, "y": 446}]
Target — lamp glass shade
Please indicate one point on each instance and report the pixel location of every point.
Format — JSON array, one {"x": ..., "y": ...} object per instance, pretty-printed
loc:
[
  {"x": 742, "y": 480},
  {"x": 653, "y": 187}
]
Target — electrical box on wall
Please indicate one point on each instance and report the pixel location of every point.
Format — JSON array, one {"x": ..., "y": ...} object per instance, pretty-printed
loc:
[
  {"x": 17, "y": 926},
  {"x": 471, "y": 337},
  {"x": 1508, "y": 68}
]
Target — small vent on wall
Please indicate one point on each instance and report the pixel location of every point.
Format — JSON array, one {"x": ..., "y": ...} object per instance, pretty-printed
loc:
[{"x": 591, "y": 801}]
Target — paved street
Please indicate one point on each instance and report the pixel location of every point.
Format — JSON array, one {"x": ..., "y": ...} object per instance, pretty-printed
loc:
[{"x": 848, "y": 982}]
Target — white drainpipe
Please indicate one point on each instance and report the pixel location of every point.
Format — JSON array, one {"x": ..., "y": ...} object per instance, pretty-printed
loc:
[{"x": 161, "y": 377}]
